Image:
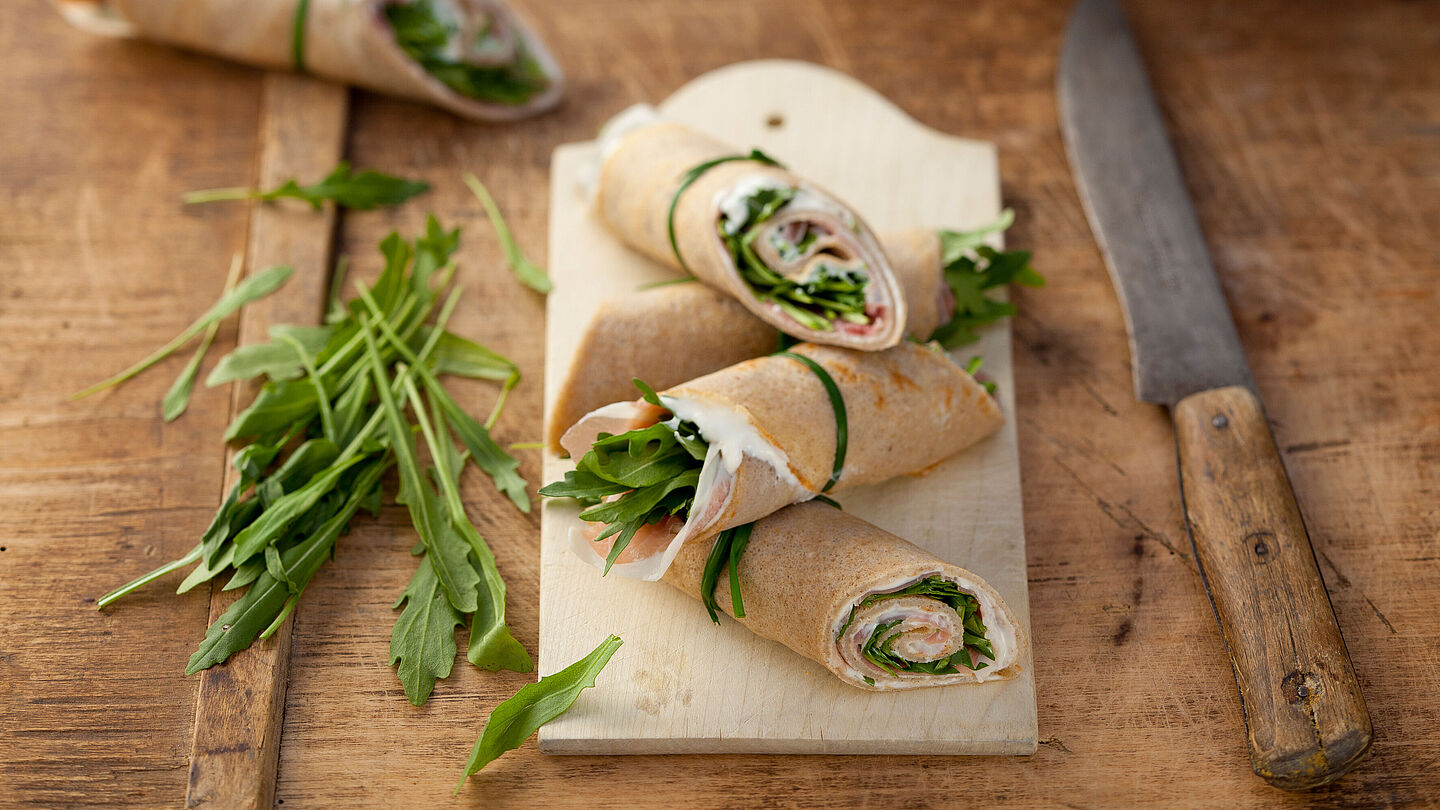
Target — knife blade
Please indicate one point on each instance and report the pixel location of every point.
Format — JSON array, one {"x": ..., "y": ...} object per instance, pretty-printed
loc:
[{"x": 1306, "y": 720}]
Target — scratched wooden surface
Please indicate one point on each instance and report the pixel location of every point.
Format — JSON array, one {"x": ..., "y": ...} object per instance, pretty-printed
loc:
[{"x": 1310, "y": 139}]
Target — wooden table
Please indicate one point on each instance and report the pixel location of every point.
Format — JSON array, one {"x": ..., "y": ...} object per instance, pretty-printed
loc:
[{"x": 1310, "y": 138}]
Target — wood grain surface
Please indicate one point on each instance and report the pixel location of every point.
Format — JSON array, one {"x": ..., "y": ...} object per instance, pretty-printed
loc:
[
  {"x": 1310, "y": 139},
  {"x": 236, "y": 747}
]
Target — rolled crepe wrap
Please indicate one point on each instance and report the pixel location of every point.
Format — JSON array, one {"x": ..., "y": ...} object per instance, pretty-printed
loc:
[
  {"x": 675, "y": 333},
  {"x": 663, "y": 336},
  {"x": 807, "y": 566},
  {"x": 772, "y": 436},
  {"x": 348, "y": 41},
  {"x": 646, "y": 167}
]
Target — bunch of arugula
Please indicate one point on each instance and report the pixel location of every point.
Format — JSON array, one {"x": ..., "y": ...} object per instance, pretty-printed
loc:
[
  {"x": 878, "y": 648},
  {"x": 425, "y": 37},
  {"x": 833, "y": 292},
  {"x": 317, "y": 440},
  {"x": 654, "y": 470},
  {"x": 971, "y": 268}
]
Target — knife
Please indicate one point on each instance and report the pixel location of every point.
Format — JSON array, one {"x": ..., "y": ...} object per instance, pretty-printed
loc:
[{"x": 1305, "y": 719}]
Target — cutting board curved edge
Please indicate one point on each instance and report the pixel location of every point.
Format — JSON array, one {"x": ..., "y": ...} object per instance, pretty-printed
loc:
[
  {"x": 819, "y": 122},
  {"x": 680, "y": 684}
]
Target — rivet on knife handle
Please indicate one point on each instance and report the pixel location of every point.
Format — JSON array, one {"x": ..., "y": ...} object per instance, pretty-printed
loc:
[{"x": 1305, "y": 719}]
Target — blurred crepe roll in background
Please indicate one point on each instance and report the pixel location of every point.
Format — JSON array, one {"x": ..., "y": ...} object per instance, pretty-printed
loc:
[
  {"x": 879, "y": 612},
  {"x": 787, "y": 250},
  {"x": 741, "y": 443},
  {"x": 476, "y": 58},
  {"x": 678, "y": 332}
]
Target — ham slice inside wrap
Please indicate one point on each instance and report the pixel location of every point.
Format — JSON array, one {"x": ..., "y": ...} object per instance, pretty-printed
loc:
[
  {"x": 644, "y": 164},
  {"x": 806, "y": 575},
  {"x": 771, "y": 431},
  {"x": 715, "y": 331},
  {"x": 348, "y": 41}
]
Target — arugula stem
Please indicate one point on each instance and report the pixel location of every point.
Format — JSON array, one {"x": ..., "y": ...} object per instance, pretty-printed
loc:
[
  {"x": 377, "y": 417},
  {"x": 494, "y": 417},
  {"x": 280, "y": 617},
  {"x": 218, "y": 195},
  {"x": 530, "y": 274},
  {"x": 136, "y": 584},
  {"x": 252, "y": 288},
  {"x": 159, "y": 354},
  {"x": 334, "y": 306},
  {"x": 177, "y": 399},
  {"x": 322, "y": 397}
]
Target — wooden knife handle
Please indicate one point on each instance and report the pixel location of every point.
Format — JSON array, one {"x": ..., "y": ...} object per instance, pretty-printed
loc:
[{"x": 1305, "y": 718}]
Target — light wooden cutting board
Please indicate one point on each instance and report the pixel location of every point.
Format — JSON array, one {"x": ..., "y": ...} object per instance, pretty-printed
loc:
[{"x": 680, "y": 684}]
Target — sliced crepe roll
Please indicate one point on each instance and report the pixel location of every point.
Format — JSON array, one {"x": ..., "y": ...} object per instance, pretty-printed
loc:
[
  {"x": 639, "y": 335},
  {"x": 737, "y": 445},
  {"x": 879, "y": 612},
  {"x": 476, "y": 58},
  {"x": 786, "y": 249}
]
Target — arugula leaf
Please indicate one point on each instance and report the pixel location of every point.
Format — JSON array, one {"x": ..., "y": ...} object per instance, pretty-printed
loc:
[
  {"x": 955, "y": 245},
  {"x": 638, "y": 458},
  {"x": 277, "y": 406},
  {"x": 283, "y": 511},
  {"x": 583, "y": 486},
  {"x": 536, "y": 704},
  {"x": 447, "y": 553},
  {"x": 432, "y": 251},
  {"x": 492, "y": 646},
  {"x": 488, "y": 456},
  {"x": 258, "y": 609},
  {"x": 363, "y": 191},
  {"x": 971, "y": 268},
  {"x": 530, "y": 274},
  {"x": 655, "y": 470},
  {"x": 252, "y": 288},
  {"x": 466, "y": 358},
  {"x": 276, "y": 359},
  {"x": 425, "y": 37},
  {"x": 423, "y": 641},
  {"x": 647, "y": 393},
  {"x": 177, "y": 399}
]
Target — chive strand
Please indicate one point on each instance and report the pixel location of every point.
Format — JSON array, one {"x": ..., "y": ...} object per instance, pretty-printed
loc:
[
  {"x": 687, "y": 179},
  {"x": 738, "y": 541},
  {"x": 837, "y": 402}
]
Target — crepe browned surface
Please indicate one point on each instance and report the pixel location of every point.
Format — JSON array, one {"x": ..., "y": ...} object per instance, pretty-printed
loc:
[
  {"x": 348, "y": 41},
  {"x": 915, "y": 256},
  {"x": 807, "y": 565},
  {"x": 908, "y": 408},
  {"x": 638, "y": 184},
  {"x": 663, "y": 336},
  {"x": 668, "y": 335}
]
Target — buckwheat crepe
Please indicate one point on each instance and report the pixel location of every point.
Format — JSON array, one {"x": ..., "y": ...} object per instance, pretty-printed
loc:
[
  {"x": 772, "y": 436},
  {"x": 815, "y": 579},
  {"x": 487, "y": 64},
  {"x": 678, "y": 332},
  {"x": 786, "y": 249}
]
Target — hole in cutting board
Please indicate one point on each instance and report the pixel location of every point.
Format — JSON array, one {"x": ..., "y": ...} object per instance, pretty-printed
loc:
[{"x": 775, "y": 121}]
